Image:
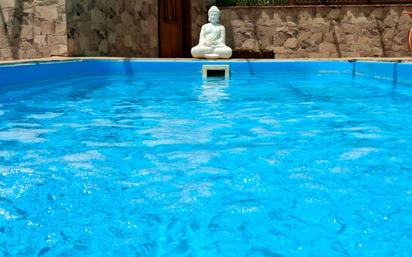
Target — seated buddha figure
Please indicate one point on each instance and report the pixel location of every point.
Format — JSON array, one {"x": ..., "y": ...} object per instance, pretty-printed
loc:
[{"x": 212, "y": 39}]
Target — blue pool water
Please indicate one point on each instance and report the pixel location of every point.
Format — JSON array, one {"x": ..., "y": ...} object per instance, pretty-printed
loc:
[{"x": 274, "y": 165}]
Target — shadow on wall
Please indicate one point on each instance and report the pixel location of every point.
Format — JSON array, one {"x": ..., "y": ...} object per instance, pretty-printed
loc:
[
  {"x": 210, "y": 3},
  {"x": 12, "y": 27}
]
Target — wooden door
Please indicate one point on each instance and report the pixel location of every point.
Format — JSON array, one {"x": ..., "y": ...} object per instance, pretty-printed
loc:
[{"x": 174, "y": 28}]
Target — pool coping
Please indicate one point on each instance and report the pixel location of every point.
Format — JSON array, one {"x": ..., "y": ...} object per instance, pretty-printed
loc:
[
  {"x": 394, "y": 70},
  {"x": 66, "y": 59}
]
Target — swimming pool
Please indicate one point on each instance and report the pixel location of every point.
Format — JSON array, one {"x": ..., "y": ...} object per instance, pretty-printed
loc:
[{"x": 144, "y": 158}]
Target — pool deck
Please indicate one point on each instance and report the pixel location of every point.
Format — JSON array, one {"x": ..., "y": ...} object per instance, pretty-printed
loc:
[{"x": 63, "y": 59}]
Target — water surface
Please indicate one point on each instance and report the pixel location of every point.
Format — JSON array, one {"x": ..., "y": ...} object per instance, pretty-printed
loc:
[{"x": 309, "y": 165}]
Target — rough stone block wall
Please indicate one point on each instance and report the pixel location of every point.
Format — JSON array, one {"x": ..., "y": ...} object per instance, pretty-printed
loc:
[
  {"x": 32, "y": 29},
  {"x": 38, "y": 28},
  {"x": 320, "y": 32},
  {"x": 112, "y": 28},
  {"x": 199, "y": 18}
]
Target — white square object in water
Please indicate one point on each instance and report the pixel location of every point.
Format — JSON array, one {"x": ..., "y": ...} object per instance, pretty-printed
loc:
[{"x": 216, "y": 68}]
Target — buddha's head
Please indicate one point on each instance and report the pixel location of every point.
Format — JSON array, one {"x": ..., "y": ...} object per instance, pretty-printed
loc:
[{"x": 214, "y": 15}]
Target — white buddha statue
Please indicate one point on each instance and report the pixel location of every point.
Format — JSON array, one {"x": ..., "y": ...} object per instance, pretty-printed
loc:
[{"x": 212, "y": 39}]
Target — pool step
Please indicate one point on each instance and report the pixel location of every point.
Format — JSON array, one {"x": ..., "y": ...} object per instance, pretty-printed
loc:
[{"x": 209, "y": 71}]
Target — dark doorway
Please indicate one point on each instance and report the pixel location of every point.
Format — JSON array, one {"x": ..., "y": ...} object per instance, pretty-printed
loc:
[{"x": 174, "y": 28}]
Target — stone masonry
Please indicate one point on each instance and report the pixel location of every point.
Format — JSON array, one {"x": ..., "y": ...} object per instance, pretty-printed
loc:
[
  {"x": 112, "y": 28},
  {"x": 39, "y": 28},
  {"x": 199, "y": 18},
  {"x": 320, "y": 32},
  {"x": 120, "y": 27},
  {"x": 32, "y": 29}
]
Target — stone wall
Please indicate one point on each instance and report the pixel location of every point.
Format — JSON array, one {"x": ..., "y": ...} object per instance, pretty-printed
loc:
[
  {"x": 32, "y": 29},
  {"x": 112, "y": 28},
  {"x": 320, "y": 32},
  {"x": 120, "y": 27},
  {"x": 199, "y": 17},
  {"x": 38, "y": 28}
]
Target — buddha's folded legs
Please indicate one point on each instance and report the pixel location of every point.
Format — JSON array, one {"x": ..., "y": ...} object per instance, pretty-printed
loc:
[
  {"x": 223, "y": 52},
  {"x": 209, "y": 52},
  {"x": 200, "y": 51}
]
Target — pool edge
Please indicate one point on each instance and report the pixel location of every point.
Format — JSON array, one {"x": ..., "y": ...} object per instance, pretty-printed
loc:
[{"x": 390, "y": 69}]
